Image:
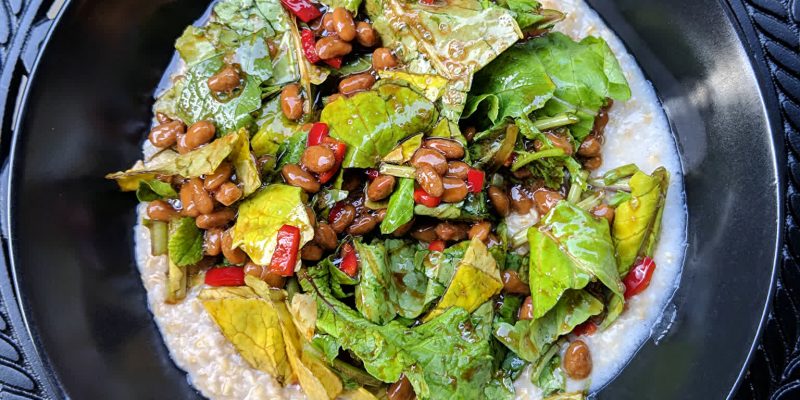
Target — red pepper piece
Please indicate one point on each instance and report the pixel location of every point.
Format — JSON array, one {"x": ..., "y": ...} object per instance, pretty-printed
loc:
[
  {"x": 422, "y": 197},
  {"x": 319, "y": 131},
  {"x": 638, "y": 279},
  {"x": 339, "y": 150},
  {"x": 303, "y": 9},
  {"x": 475, "y": 179},
  {"x": 436, "y": 245},
  {"x": 587, "y": 328},
  {"x": 309, "y": 45},
  {"x": 225, "y": 276},
  {"x": 284, "y": 258},
  {"x": 427, "y": 2},
  {"x": 349, "y": 263},
  {"x": 372, "y": 173},
  {"x": 335, "y": 62}
]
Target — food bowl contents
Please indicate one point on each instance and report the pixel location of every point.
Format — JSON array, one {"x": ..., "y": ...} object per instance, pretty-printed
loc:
[{"x": 405, "y": 199}]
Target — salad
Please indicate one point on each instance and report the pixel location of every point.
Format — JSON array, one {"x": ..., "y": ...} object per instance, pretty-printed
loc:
[{"x": 395, "y": 198}]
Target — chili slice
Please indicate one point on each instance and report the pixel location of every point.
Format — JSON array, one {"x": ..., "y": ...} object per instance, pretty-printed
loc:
[
  {"x": 335, "y": 62},
  {"x": 586, "y": 328},
  {"x": 349, "y": 263},
  {"x": 638, "y": 279},
  {"x": 303, "y": 9},
  {"x": 436, "y": 245},
  {"x": 422, "y": 197},
  {"x": 319, "y": 131},
  {"x": 284, "y": 258},
  {"x": 309, "y": 45},
  {"x": 225, "y": 276},
  {"x": 475, "y": 179}
]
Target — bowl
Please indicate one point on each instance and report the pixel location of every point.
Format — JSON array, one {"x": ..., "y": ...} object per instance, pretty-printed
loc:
[{"x": 86, "y": 110}]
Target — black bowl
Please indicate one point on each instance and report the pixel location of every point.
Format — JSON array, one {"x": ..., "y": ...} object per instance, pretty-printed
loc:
[{"x": 87, "y": 109}]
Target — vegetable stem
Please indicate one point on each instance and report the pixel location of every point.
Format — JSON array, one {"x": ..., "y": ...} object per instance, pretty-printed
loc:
[
  {"x": 555, "y": 122},
  {"x": 525, "y": 158},
  {"x": 398, "y": 171},
  {"x": 158, "y": 236},
  {"x": 591, "y": 201}
]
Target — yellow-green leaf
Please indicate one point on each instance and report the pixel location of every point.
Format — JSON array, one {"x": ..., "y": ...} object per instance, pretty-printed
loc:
[
  {"x": 637, "y": 221},
  {"x": 477, "y": 279},
  {"x": 432, "y": 86},
  {"x": 176, "y": 283},
  {"x": 244, "y": 164},
  {"x": 263, "y": 214},
  {"x": 195, "y": 163},
  {"x": 252, "y": 325}
]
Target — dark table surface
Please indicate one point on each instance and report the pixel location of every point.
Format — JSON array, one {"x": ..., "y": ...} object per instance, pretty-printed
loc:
[{"x": 772, "y": 25}]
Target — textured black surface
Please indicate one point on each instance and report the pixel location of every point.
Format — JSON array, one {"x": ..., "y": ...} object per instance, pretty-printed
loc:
[{"x": 775, "y": 368}]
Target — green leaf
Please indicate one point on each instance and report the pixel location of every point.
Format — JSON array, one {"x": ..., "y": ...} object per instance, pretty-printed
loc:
[
  {"x": 263, "y": 214},
  {"x": 586, "y": 73},
  {"x": 245, "y": 165},
  {"x": 274, "y": 129},
  {"x": 453, "y": 40},
  {"x": 194, "y": 46},
  {"x": 637, "y": 223},
  {"x": 476, "y": 280},
  {"x": 472, "y": 208},
  {"x": 530, "y": 339},
  {"x": 185, "y": 244},
  {"x": 569, "y": 248},
  {"x": 423, "y": 353},
  {"x": 373, "y": 295},
  {"x": 513, "y": 85},
  {"x": 371, "y": 123},
  {"x": 354, "y": 65},
  {"x": 401, "y": 207},
  {"x": 243, "y": 16},
  {"x": 552, "y": 378},
  {"x": 197, "y": 103},
  {"x": 154, "y": 189},
  {"x": 291, "y": 150},
  {"x": 409, "y": 282},
  {"x": 253, "y": 56},
  {"x": 350, "y": 5},
  {"x": 198, "y": 162}
]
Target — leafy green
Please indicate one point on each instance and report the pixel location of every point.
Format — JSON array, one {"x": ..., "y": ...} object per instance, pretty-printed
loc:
[
  {"x": 453, "y": 40},
  {"x": 197, "y": 103},
  {"x": 263, "y": 214},
  {"x": 401, "y": 206},
  {"x": 374, "y": 297},
  {"x": 253, "y": 57},
  {"x": 351, "y": 5},
  {"x": 176, "y": 283},
  {"x": 371, "y": 123},
  {"x": 274, "y": 129},
  {"x": 185, "y": 242},
  {"x": 194, "y": 46},
  {"x": 476, "y": 280},
  {"x": 403, "y": 152},
  {"x": 638, "y": 220},
  {"x": 245, "y": 165},
  {"x": 198, "y": 162},
  {"x": 154, "y": 189},
  {"x": 243, "y": 16},
  {"x": 569, "y": 248},
  {"x": 423, "y": 353},
  {"x": 530, "y": 339},
  {"x": 355, "y": 65},
  {"x": 513, "y": 85},
  {"x": 409, "y": 282},
  {"x": 586, "y": 73},
  {"x": 472, "y": 208},
  {"x": 551, "y": 379},
  {"x": 291, "y": 150}
]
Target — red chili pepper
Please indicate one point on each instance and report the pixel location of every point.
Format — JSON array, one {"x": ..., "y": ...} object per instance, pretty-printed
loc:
[
  {"x": 427, "y": 2},
  {"x": 319, "y": 131},
  {"x": 349, "y": 264},
  {"x": 303, "y": 9},
  {"x": 475, "y": 178},
  {"x": 586, "y": 328},
  {"x": 638, "y": 279},
  {"x": 225, "y": 276},
  {"x": 436, "y": 245},
  {"x": 335, "y": 62},
  {"x": 284, "y": 258},
  {"x": 309, "y": 45},
  {"x": 372, "y": 173},
  {"x": 339, "y": 150},
  {"x": 422, "y": 197}
]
